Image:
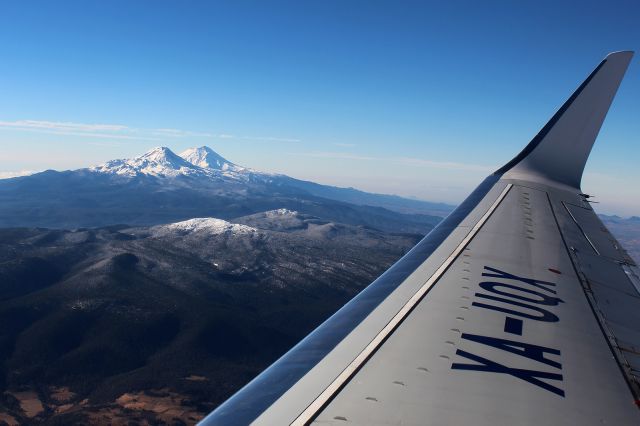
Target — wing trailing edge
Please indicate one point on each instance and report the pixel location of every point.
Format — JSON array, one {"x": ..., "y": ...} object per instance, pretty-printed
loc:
[{"x": 559, "y": 152}]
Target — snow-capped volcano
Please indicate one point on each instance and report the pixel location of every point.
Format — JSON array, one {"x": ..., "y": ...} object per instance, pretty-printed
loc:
[
  {"x": 202, "y": 163},
  {"x": 207, "y": 158},
  {"x": 161, "y": 187},
  {"x": 160, "y": 162}
]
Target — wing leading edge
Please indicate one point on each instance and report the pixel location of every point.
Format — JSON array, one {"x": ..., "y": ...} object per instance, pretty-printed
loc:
[{"x": 503, "y": 314}]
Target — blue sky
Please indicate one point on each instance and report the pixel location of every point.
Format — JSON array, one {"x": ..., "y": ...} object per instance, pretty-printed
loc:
[{"x": 420, "y": 99}]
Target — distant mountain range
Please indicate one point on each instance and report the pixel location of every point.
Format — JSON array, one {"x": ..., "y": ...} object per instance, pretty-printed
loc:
[
  {"x": 161, "y": 186},
  {"x": 626, "y": 231}
]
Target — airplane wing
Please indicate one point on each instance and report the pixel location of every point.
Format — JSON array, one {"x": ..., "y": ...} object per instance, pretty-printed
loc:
[{"x": 520, "y": 308}]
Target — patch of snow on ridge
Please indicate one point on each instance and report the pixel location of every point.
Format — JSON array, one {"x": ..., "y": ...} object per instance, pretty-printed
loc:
[
  {"x": 280, "y": 212},
  {"x": 207, "y": 225}
]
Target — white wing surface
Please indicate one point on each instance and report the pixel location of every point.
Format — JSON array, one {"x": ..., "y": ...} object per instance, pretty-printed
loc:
[{"x": 520, "y": 308}]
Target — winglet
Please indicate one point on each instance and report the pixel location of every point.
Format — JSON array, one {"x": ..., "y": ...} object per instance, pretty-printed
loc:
[{"x": 559, "y": 152}]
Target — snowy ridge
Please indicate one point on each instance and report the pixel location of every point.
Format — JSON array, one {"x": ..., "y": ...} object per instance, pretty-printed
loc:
[
  {"x": 279, "y": 213},
  {"x": 204, "y": 225}
]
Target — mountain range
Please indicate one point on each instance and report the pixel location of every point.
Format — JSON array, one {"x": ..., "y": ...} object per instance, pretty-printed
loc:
[
  {"x": 147, "y": 290},
  {"x": 177, "y": 280},
  {"x": 161, "y": 186},
  {"x": 158, "y": 324}
]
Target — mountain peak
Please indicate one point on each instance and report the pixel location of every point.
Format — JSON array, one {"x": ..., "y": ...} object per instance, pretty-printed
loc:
[
  {"x": 207, "y": 158},
  {"x": 163, "y": 156},
  {"x": 159, "y": 161},
  {"x": 158, "y": 151}
]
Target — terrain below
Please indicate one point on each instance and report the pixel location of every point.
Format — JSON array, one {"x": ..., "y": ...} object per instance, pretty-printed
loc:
[{"x": 158, "y": 325}]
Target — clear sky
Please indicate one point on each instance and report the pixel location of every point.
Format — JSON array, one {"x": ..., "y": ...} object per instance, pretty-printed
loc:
[{"x": 420, "y": 99}]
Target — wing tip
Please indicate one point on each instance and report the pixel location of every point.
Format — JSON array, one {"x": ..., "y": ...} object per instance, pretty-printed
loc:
[
  {"x": 561, "y": 158},
  {"x": 624, "y": 56},
  {"x": 621, "y": 53}
]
